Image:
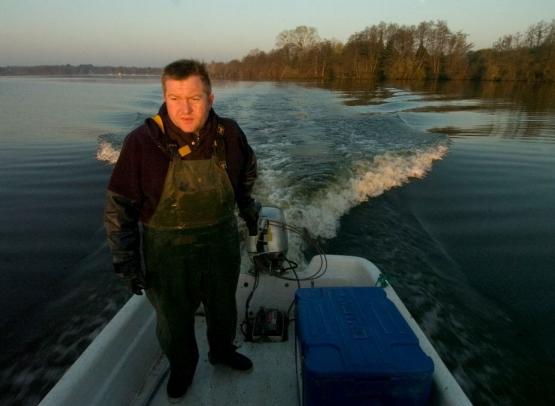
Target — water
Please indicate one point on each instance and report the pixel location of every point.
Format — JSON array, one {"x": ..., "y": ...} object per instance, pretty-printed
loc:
[{"x": 450, "y": 190}]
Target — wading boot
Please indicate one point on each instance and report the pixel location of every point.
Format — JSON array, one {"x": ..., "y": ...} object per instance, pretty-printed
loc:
[
  {"x": 231, "y": 359},
  {"x": 178, "y": 383}
]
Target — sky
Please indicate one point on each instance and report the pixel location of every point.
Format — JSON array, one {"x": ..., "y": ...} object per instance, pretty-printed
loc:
[{"x": 156, "y": 32}]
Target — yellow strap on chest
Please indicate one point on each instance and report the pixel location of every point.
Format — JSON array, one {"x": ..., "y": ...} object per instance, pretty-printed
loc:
[
  {"x": 158, "y": 120},
  {"x": 184, "y": 150}
]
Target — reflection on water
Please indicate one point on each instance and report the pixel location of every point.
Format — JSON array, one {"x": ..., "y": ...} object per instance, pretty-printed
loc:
[
  {"x": 500, "y": 109},
  {"x": 536, "y": 97}
]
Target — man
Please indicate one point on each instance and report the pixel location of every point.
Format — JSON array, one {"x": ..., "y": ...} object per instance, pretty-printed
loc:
[{"x": 171, "y": 201}]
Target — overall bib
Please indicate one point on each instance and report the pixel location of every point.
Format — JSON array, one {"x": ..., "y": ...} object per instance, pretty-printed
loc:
[{"x": 191, "y": 253}]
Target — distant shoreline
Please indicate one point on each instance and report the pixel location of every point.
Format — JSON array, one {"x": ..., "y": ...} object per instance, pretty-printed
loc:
[
  {"x": 217, "y": 73},
  {"x": 79, "y": 76},
  {"x": 78, "y": 70},
  {"x": 36, "y": 75},
  {"x": 263, "y": 79}
]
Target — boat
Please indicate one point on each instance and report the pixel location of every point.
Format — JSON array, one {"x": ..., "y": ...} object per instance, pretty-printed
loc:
[{"x": 124, "y": 365}]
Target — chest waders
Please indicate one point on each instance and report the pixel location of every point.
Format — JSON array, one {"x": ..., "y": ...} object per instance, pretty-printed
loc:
[{"x": 191, "y": 251}]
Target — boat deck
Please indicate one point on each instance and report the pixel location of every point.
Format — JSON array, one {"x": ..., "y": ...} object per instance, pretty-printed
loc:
[{"x": 272, "y": 381}]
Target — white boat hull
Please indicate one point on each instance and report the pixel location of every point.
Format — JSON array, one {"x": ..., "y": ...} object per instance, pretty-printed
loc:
[{"x": 124, "y": 365}]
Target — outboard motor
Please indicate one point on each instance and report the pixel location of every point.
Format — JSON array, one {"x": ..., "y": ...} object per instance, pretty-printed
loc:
[
  {"x": 267, "y": 251},
  {"x": 268, "y": 248}
]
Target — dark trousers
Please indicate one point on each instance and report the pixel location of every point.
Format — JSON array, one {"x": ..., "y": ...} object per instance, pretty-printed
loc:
[{"x": 183, "y": 269}]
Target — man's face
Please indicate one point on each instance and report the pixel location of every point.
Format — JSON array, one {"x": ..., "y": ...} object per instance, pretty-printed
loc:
[{"x": 188, "y": 103}]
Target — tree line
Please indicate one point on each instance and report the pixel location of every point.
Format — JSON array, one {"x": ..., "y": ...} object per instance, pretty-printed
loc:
[{"x": 427, "y": 51}]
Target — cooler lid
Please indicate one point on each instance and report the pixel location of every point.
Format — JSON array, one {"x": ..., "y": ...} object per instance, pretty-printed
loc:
[{"x": 356, "y": 331}]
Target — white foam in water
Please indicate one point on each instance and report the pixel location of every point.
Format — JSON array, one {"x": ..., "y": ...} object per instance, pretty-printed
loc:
[
  {"x": 321, "y": 215},
  {"x": 106, "y": 152}
]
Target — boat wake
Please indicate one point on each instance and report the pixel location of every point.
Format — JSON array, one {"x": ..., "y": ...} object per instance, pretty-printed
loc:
[
  {"x": 321, "y": 214},
  {"x": 106, "y": 152}
]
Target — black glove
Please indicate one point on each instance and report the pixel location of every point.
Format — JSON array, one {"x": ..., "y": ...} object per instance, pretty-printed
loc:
[
  {"x": 131, "y": 275},
  {"x": 134, "y": 282},
  {"x": 250, "y": 215}
]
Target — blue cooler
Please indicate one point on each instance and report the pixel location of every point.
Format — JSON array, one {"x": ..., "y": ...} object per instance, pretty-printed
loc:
[{"x": 357, "y": 349}]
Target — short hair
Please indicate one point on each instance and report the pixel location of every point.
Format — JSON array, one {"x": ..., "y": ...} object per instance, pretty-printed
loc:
[{"x": 185, "y": 68}]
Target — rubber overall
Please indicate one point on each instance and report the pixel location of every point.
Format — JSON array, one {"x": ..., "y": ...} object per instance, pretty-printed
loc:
[{"x": 191, "y": 250}]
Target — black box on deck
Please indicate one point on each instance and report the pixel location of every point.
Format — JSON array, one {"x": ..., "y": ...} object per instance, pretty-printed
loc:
[{"x": 357, "y": 349}]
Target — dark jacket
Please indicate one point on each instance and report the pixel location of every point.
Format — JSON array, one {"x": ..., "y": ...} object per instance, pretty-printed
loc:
[{"x": 138, "y": 178}]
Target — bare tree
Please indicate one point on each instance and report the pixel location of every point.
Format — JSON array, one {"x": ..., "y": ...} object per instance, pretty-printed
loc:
[
  {"x": 456, "y": 59},
  {"x": 302, "y": 37},
  {"x": 364, "y": 50},
  {"x": 436, "y": 45},
  {"x": 536, "y": 34}
]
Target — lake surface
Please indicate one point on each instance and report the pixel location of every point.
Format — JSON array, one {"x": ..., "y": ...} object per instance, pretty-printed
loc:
[{"x": 449, "y": 189}]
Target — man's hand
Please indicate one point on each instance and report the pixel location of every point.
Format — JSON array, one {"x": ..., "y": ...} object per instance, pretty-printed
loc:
[
  {"x": 250, "y": 215},
  {"x": 134, "y": 282}
]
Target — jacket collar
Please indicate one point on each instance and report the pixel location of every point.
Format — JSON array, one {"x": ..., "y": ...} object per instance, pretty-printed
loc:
[{"x": 168, "y": 137}]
